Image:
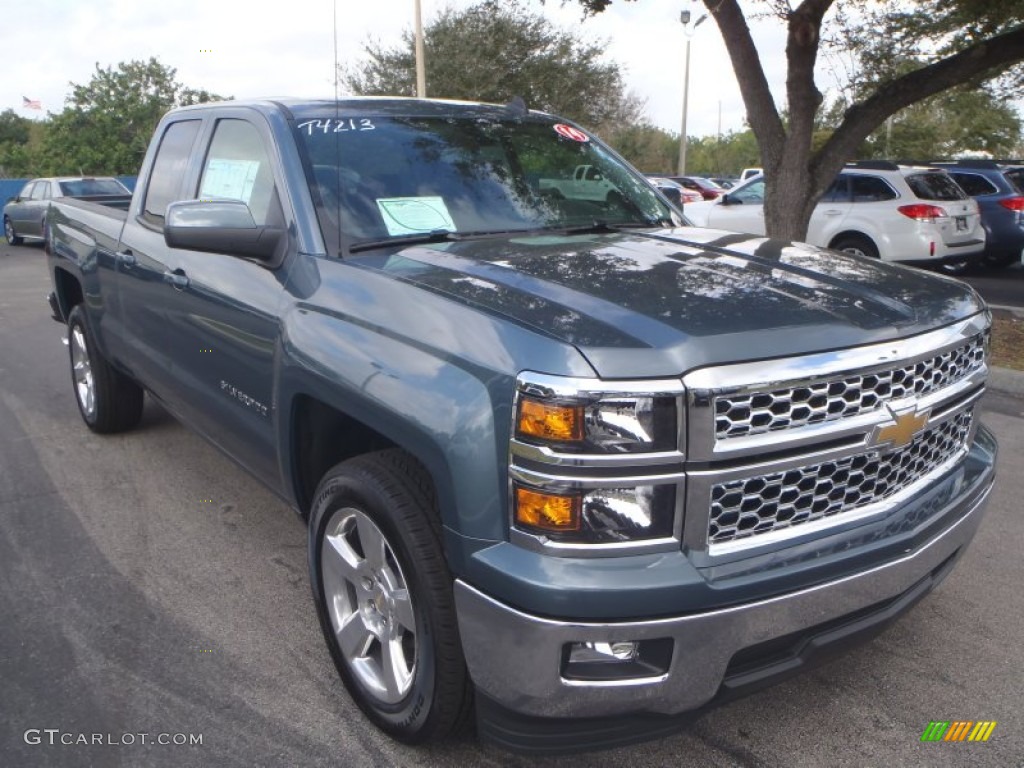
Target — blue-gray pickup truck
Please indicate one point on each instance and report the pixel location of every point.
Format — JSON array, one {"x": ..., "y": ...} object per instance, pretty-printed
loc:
[{"x": 572, "y": 468}]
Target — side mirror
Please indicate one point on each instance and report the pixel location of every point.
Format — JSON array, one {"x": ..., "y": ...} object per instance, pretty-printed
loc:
[
  {"x": 219, "y": 226},
  {"x": 727, "y": 200}
]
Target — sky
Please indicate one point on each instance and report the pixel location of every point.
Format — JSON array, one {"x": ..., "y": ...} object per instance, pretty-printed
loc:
[{"x": 245, "y": 49}]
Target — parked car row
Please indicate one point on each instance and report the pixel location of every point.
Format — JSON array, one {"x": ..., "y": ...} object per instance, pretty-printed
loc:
[
  {"x": 905, "y": 213},
  {"x": 25, "y": 214}
]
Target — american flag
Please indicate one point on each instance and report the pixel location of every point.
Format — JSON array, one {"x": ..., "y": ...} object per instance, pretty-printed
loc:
[{"x": 27, "y": 103}]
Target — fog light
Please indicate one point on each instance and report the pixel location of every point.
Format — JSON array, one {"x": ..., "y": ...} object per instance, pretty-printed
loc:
[
  {"x": 597, "y": 661},
  {"x": 602, "y": 652}
]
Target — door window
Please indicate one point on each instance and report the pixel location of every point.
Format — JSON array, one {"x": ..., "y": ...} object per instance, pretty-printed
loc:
[
  {"x": 26, "y": 192},
  {"x": 237, "y": 167},
  {"x": 838, "y": 191},
  {"x": 169, "y": 169},
  {"x": 752, "y": 194}
]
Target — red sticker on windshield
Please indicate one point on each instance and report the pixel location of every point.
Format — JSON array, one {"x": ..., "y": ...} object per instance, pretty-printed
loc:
[{"x": 568, "y": 132}]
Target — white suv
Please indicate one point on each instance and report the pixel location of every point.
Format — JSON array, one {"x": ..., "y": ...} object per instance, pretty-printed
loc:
[{"x": 873, "y": 208}]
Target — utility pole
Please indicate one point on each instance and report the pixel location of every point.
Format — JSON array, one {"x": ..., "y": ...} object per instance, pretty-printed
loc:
[
  {"x": 421, "y": 71},
  {"x": 684, "y": 17}
]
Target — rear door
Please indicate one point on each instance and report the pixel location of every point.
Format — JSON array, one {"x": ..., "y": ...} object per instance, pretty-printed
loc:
[
  {"x": 144, "y": 299},
  {"x": 36, "y": 209}
]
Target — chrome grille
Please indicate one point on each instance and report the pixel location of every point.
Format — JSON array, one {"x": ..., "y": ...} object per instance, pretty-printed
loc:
[
  {"x": 770, "y": 502},
  {"x": 755, "y": 413}
]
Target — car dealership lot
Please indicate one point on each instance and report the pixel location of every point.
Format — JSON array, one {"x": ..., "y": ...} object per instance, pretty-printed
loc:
[{"x": 147, "y": 585}]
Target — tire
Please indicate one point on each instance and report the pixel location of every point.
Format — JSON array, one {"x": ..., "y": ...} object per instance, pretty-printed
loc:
[
  {"x": 12, "y": 239},
  {"x": 413, "y": 685},
  {"x": 108, "y": 400},
  {"x": 856, "y": 246},
  {"x": 1001, "y": 260}
]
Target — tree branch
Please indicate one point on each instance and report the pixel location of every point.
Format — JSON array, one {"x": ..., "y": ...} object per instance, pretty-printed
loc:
[
  {"x": 757, "y": 97},
  {"x": 861, "y": 119}
]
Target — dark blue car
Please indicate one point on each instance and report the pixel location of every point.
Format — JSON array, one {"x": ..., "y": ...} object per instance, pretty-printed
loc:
[{"x": 999, "y": 190}]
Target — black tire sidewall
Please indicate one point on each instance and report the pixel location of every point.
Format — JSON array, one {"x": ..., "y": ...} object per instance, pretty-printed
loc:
[{"x": 408, "y": 719}]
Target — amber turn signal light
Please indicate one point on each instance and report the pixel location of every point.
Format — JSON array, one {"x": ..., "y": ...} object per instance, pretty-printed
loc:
[
  {"x": 547, "y": 511},
  {"x": 550, "y": 421}
]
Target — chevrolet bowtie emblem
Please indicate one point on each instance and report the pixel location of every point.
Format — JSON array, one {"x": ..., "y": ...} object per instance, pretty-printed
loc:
[{"x": 905, "y": 427}]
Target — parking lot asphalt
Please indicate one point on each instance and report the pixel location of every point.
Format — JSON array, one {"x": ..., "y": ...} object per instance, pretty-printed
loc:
[
  {"x": 148, "y": 585},
  {"x": 1000, "y": 287}
]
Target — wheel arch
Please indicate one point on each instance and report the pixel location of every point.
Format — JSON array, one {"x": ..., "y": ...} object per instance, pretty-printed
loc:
[{"x": 852, "y": 234}]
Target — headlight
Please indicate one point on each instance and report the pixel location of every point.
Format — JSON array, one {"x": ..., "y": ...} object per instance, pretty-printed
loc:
[
  {"x": 599, "y": 515},
  {"x": 607, "y": 424},
  {"x": 595, "y": 462}
]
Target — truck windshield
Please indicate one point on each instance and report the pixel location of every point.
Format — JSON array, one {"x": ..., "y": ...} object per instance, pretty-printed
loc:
[{"x": 377, "y": 178}]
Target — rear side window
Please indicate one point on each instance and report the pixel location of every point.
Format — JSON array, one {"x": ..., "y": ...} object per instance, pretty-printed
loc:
[
  {"x": 92, "y": 187},
  {"x": 169, "y": 169},
  {"x": 1016, "y": 178},
  {"x": 41, "y": 190},
  {"x": 935, "y": 186},
  {"x": 870, "y": 189},
  {"x": 974, "y": 184}
]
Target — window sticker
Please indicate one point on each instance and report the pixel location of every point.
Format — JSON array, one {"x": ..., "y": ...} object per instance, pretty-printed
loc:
[
  {"x": 569, "y": 132},
  {"x": 415, "y": 215},
  {"x": 229, "y": 179}
]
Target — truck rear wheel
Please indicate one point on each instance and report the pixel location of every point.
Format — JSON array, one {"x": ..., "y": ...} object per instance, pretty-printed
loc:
[
  {"x": 383, "y": 594},
  {"x": 107, "y": 399}
]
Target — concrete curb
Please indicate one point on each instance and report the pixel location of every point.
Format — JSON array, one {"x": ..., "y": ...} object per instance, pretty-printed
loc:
[
  {"x": 1006, "y": 380},
  {"x": 1018, "y": 311}
]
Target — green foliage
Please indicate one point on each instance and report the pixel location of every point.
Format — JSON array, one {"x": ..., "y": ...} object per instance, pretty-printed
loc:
[
  {"x": 647, "y": 147},
  {"x": 952, "y": 124},
  {"x": 20, "y": 142},
  {"x": 107, "y": 123},
  {"x": 492, "y": 52}
]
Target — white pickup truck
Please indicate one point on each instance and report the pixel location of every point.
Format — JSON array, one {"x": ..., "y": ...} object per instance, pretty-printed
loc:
[{"x": 587, "y": 183}]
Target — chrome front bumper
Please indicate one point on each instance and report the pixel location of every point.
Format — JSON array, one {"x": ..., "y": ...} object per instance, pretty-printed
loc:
[{"x": 515, "y": 658}]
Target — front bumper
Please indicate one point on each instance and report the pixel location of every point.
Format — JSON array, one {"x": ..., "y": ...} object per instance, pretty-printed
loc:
[{"x": 516, "y": 659}]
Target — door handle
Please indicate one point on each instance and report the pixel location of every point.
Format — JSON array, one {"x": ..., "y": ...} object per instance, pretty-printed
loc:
[
  {"x": 125, "y": 258},
  {"x": 832, "y": 212},
  {"x": 178, "y": 279}
]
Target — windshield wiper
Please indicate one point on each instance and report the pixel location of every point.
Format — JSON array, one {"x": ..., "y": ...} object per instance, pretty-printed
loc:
[
  {"x": 601, "y": 227},
  {"x": 416, "y": 238}
]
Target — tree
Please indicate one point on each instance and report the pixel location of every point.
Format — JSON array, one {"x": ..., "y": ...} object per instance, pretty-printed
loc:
[
  {"x": 493, "y": 52},
  {"x": 106, "y": 124},
  {"x": 958, "y": 122},
  {"x": 951, "y": 42}
]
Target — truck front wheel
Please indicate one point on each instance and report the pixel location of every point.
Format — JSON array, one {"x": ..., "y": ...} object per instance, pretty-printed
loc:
[
  {"x": 383, "y": 594},
  {"x": 107, "y": 399}
]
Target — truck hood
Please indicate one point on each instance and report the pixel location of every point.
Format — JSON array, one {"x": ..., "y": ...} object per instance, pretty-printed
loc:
[{"x": 662, "y": 303}]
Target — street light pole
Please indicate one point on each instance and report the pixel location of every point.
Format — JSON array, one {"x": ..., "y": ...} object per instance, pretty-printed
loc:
[
  {"x": 421, "y": 74},
  {"x": 684, "y": 17}
]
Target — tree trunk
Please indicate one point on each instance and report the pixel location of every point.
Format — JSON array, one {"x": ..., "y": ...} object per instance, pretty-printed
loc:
[{"x": 797, "y": 177}]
